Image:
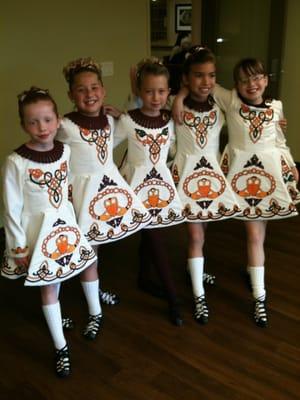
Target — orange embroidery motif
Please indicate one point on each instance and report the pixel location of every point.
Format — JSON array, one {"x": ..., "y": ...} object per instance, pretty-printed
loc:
[
  {"x": 153, "y": 141},
  {"x": 98, "y": 137},
  {"x": 200, "y": 126},
  {"x": 256, "y": 119},
  {"x": 52, "y": 181},
  {"x": 19, "y": 250}
]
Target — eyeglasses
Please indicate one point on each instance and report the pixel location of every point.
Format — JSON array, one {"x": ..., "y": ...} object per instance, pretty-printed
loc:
[{"x": 252, "y": 78}]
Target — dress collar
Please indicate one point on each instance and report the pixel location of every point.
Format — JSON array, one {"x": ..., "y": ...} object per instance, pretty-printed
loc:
[
  {"x": 150, "y": 122},
  {"x": 199, "y": 106},
  {"x": 99, "y": 122},
  {"x": 44, "y": 157}
]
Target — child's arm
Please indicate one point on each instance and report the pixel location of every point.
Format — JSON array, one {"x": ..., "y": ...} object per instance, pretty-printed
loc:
[
  {"x": 16, "y": 242},
  {"x": 281, "y": 143},
  {"x": 177, "y": 106},
  {"x": 121, "y": 130}
]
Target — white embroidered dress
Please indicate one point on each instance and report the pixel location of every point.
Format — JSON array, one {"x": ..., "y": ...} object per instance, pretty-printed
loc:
[
  {"x": 106, "y": 207},
  {"x": 256, "y": 160},
  {"x": 202, "y": 186},
  {"x": 39, "y": 220},
  {"x": 149, "y": 141}
]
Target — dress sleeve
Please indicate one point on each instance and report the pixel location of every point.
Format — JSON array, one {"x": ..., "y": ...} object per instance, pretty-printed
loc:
[
  {"x": 281, "y": 141},
  {"x": 121, "y": 130},
  {"x": 13, "y": 183},
  {"x": 223, "y": 97},
  {"x": 63, "y": 133},
  {"x": 173, "y": 146}
]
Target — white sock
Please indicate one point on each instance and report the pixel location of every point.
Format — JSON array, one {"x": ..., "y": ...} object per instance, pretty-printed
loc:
[
  {"x": 52, "y": 314},
  {"x": 195, "y": 266},
  {"x": 91, "y": 292},
  {"x": 257, "y": 279}
]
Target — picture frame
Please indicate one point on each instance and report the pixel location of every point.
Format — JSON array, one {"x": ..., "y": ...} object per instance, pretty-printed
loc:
[{"x": 183, "y": 17}]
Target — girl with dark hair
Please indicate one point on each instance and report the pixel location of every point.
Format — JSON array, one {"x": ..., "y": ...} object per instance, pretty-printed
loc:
[{"x": 202, "y": 187}]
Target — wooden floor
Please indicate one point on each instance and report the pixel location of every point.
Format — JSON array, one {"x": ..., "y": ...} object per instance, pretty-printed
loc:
[{"x": 140, "y": 355}]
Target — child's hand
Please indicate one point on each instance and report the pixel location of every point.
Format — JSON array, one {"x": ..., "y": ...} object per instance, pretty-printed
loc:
[
  {"x": 177, "y": 110},
  {"x": 295, "y": 173},
  {"x": 111, "y": 110},
  {"x": 283, "y": 124},
  {"x": 22, "y": 261}
]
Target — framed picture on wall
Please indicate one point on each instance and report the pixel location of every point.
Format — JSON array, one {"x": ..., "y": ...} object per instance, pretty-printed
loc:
[{"x": 183, "y": 17}]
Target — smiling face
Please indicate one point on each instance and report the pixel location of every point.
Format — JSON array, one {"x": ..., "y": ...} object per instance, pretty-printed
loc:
[
  {"x": 201, "y": 80},
  {"x": 88, "y": 93},
  {"x": 252, "y": 87},
  {"x": 41, "y": 123},
  {"x": 154, "y": 93}
]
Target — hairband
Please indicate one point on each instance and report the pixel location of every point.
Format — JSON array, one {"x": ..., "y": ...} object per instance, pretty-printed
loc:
[
  {"x": 33, "y": 90},
  {"x": 194, "y": 50},
  {"x": 81, "y": 63}
]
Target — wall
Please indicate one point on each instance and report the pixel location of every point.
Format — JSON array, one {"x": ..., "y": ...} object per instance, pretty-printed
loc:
[
  {"x": 290, "y": 85},
  {"x": 37, "y": 39}
]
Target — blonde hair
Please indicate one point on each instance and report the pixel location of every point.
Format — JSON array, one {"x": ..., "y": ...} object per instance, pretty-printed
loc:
[
  {"x": 79, "y": 65},
  {"x": 150, "y": 66}
]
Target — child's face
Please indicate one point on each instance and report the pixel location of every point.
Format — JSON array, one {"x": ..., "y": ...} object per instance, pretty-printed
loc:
[
  {"x": 201, "y": 80},
  {"x": 252, "y": 87},
  {"x": 41, "y": 124},
  {"x": 87, "y": 93},
  {"x": 154, "y": 92}
]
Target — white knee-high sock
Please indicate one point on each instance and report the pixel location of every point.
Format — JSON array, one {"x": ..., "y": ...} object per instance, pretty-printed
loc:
[
  {"x": 52, "y": 314},
  {"x": 257, "y": 278},
  {"x": 195, "y": 266},
  {"x": 91, "y": 292}
]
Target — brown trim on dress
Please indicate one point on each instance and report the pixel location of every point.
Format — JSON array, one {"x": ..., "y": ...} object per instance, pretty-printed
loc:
[
  {"x": 44, "y": 157},
  {"x": 199, "y": 106},
  {"x": 99, "y": 122},
  {"x": 150, "y": 122},
  {"x": 266, "y": 103}
]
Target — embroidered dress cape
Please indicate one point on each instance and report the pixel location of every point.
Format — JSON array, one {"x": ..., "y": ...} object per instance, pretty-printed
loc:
[
  {"x": 202, "y": 186},
  {"x": 39, "y": 220},
  {"x": 149, "y": 141},
  {"x": 105, "y": 205},
  {"x": 256, "y": 160}
]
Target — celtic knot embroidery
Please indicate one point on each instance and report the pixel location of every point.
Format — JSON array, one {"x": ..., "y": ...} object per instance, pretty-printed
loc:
[
  {"x": 200, "y": 125},
  {"x": 51, "y": 180},
  {"x": 256, "y": 119},
  {"x": 154, "y": 142},
  {"x": 99, "y": 137}
]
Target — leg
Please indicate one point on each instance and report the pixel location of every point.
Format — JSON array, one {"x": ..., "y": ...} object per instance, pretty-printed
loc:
[
  {"x": 145, "y": 281},
  {"x": 256, "y": 233},
  {"x": 196, "y": 234},
  {"x": 159, "y": 255},
  {"x": 90, "y": 286},
  {"x": 106, "y": 297},
  {"x": 67, "y": 323},
  {"x": 52, "y": 313}
]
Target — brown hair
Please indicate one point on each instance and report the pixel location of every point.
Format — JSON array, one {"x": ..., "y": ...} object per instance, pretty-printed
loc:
[
  {"x": 79, "y": 65},
  {"x": 249, "y": 66},
  {"x": 150, "y": 66},
  {"x": 31, "y": 96},
  {"x": 198, "y": 55}
]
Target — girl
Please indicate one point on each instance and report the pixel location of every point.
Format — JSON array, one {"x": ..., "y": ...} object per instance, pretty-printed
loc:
[
  {"x": 150, "y": 133},
  {"x": 43, "y": 242},
  {"x": 106, "y": 207},
  {"x": 259, "y": 166},
  {"x": 202, "y": 186}
]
